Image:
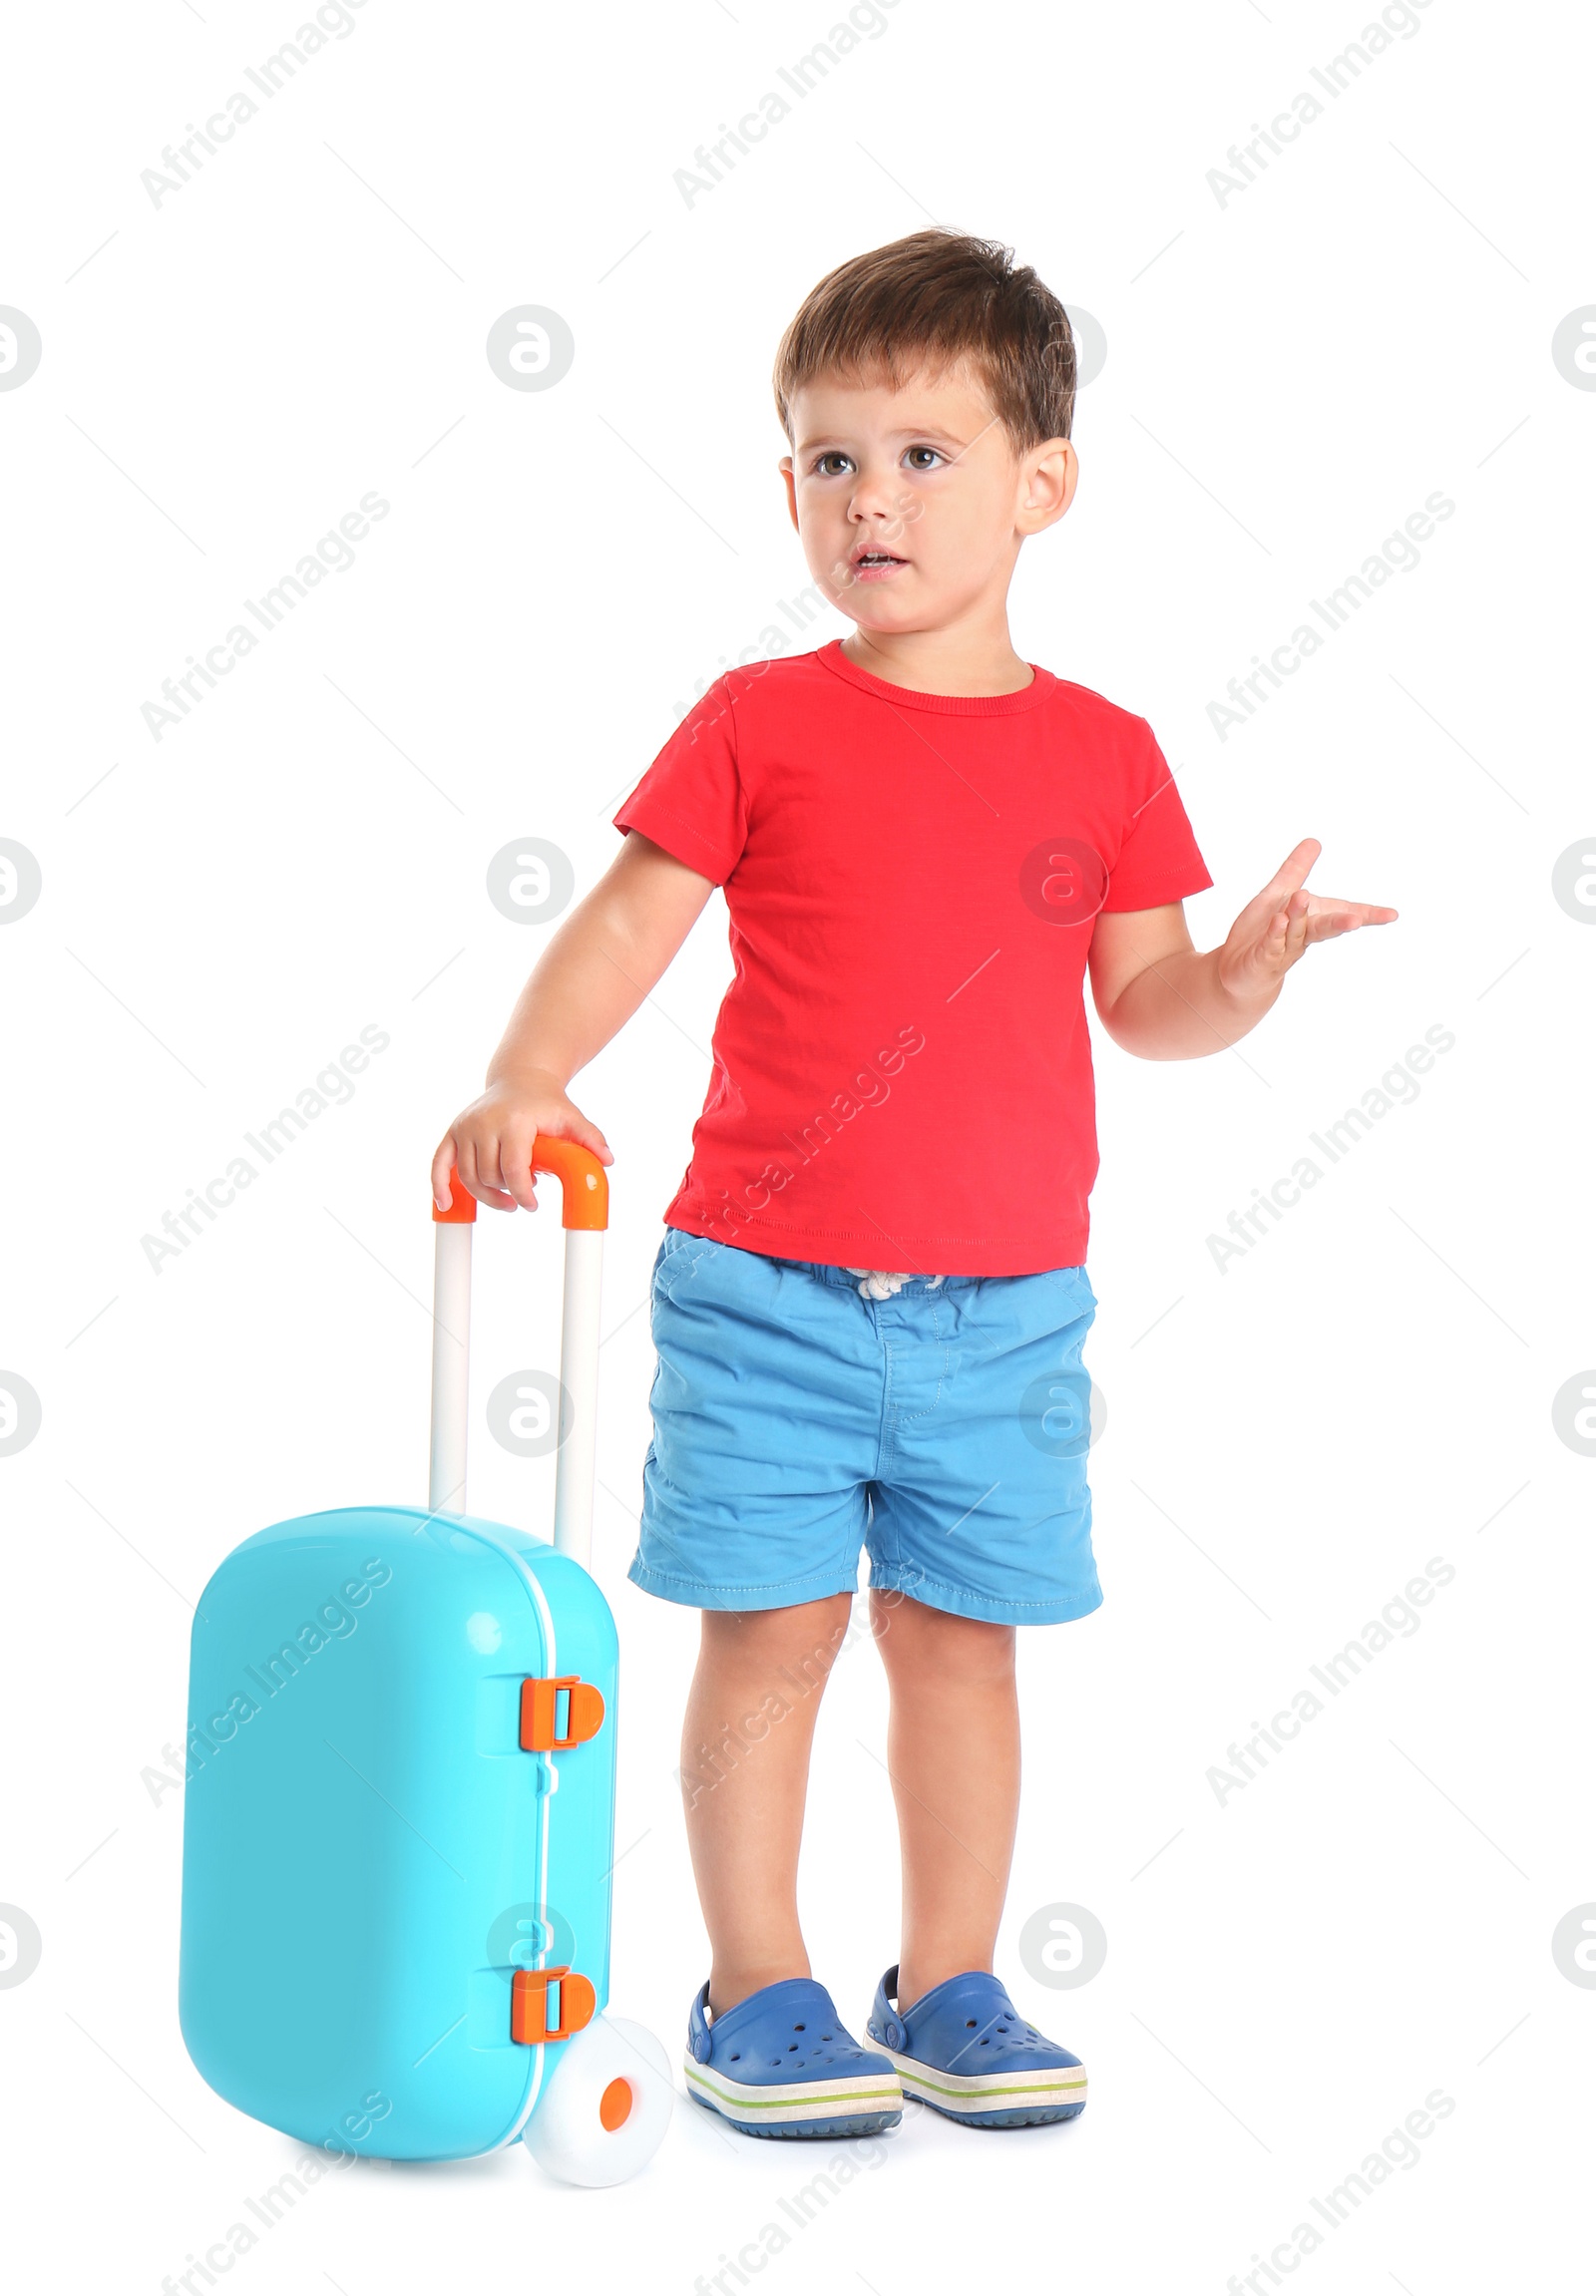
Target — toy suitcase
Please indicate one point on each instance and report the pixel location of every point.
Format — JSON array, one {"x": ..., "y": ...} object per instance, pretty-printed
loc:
[{"x": 399, "y": 1822}]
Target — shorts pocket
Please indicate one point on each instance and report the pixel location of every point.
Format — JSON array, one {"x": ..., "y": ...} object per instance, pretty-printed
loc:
[
  {"x": 1058, "y": 1297},
  {"x": 678, "y": 1259}
]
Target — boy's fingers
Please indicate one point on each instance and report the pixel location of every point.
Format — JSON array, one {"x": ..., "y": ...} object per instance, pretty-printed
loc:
[
  {"x": 590, "y": 1137},
  {"x": 584, "y": 1132},
  {"x": 515, "y": 1166},
  {"x": 580, "y": 1128},
  {"x": 496, "y": 1168},
  {"x": 1291, "y": 871},
  {"x": 497, "y": 1172},
  {"x": 1258, "y": 920},
  {"x": 1352, "y": 912},
  {"x": 473, "y": 1176}
]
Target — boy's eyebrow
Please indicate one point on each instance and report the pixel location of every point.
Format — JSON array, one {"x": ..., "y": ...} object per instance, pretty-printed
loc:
[{"x": 909, "y": 431}]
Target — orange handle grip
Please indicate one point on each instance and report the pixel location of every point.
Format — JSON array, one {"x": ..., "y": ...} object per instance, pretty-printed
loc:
[{"x": 583, "y": 1186}]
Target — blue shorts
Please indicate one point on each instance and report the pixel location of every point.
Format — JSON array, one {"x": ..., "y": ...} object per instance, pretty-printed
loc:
[{"x": 944, "y": 1429}]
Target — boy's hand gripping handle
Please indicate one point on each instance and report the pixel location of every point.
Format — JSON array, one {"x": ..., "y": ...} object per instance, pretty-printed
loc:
[{"x": 585, "y": 1214}]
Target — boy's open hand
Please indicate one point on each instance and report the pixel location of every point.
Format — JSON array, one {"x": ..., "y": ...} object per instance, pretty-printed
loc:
[
  {"x": 1275, "y": 927},
  {"x": 490, "y": 1143}
]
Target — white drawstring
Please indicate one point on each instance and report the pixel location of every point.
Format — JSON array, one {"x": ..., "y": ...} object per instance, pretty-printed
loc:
[{"x": 877, "y": 1283}]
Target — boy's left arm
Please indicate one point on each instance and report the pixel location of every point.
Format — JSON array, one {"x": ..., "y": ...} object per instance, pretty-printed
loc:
[{"x": 1160, "y": 998}]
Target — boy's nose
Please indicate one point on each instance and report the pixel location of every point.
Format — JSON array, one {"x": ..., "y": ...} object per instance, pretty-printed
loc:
[
  {"x": 878, "y": 496},
  {"x": 878, "y": 492}
]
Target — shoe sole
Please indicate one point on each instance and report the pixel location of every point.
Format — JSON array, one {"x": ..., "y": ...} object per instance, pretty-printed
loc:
[
  {"x": 876, "y": 2102},
  {"x": 994, "y": 2099}
]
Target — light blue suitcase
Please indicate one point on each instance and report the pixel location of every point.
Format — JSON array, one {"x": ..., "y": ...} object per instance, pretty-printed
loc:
[{"x": 399, "y": 1822}]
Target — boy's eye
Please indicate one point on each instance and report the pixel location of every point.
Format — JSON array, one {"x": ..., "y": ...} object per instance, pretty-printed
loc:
[
  {"x": 833, "y": 464},
  {"x": 922, "y": 458}
]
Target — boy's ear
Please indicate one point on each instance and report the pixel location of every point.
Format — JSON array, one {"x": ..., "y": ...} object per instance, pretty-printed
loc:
[
  {"x": 1047, "y": 485},
  {"x": 785, "y": 467}
]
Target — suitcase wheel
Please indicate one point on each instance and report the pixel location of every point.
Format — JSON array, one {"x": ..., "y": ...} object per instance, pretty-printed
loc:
[{"x": 605, "y": 2106}]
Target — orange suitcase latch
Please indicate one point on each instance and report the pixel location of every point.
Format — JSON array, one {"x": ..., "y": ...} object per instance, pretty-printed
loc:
[
  {"x": 529, "y": 2004},
  {"x": 559, "y": 1712}
]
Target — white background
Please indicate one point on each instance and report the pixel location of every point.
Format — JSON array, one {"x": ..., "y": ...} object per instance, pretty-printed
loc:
[{"x": 1289, "y": 375}]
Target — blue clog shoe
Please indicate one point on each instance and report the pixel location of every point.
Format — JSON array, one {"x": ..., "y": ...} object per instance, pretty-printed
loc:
[
  {"x": 964, "y": 2050},
  {"x": 782, "y": 2064}
]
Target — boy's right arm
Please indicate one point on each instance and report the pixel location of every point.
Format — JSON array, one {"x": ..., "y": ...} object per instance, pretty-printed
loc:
[{"x": 591, "y": 979}]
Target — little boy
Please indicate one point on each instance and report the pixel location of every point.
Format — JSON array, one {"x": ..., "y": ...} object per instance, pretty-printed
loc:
[{"x": 871, "y": 1297}]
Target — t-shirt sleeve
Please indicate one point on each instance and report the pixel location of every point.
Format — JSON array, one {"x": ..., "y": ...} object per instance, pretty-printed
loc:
[
  {"x": 691, "y": 799},
  {"x": 1158, "y": 857}
]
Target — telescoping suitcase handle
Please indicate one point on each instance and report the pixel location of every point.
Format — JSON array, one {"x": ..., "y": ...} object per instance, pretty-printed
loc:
[{"x": 585, "y": 1214}]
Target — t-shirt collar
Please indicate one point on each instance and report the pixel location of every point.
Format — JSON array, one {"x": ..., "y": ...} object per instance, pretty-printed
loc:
[{"x": 1042, "y": 684}]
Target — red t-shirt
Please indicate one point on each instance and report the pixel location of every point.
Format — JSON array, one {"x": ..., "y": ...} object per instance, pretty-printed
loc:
[{"x": 902, "y": 1073}]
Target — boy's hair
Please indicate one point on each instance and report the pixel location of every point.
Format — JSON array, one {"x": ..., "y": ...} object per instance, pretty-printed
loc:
[{"x": 931, "y": 299}]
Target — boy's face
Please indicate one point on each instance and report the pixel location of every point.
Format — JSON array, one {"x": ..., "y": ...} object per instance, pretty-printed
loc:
[{"x": 912, "y": 502}]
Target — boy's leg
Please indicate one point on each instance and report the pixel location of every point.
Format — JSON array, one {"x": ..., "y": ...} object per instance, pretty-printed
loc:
[
  {"x": 953, "y": 1749},
  {"x": 746, "y": 1736}
]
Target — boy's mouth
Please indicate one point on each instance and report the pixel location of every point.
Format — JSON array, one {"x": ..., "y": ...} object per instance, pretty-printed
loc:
[{"x": 872, "y": 563}]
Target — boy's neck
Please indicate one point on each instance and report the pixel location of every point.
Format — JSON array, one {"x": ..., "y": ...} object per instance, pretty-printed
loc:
[{"x": 956, "y": 661}]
